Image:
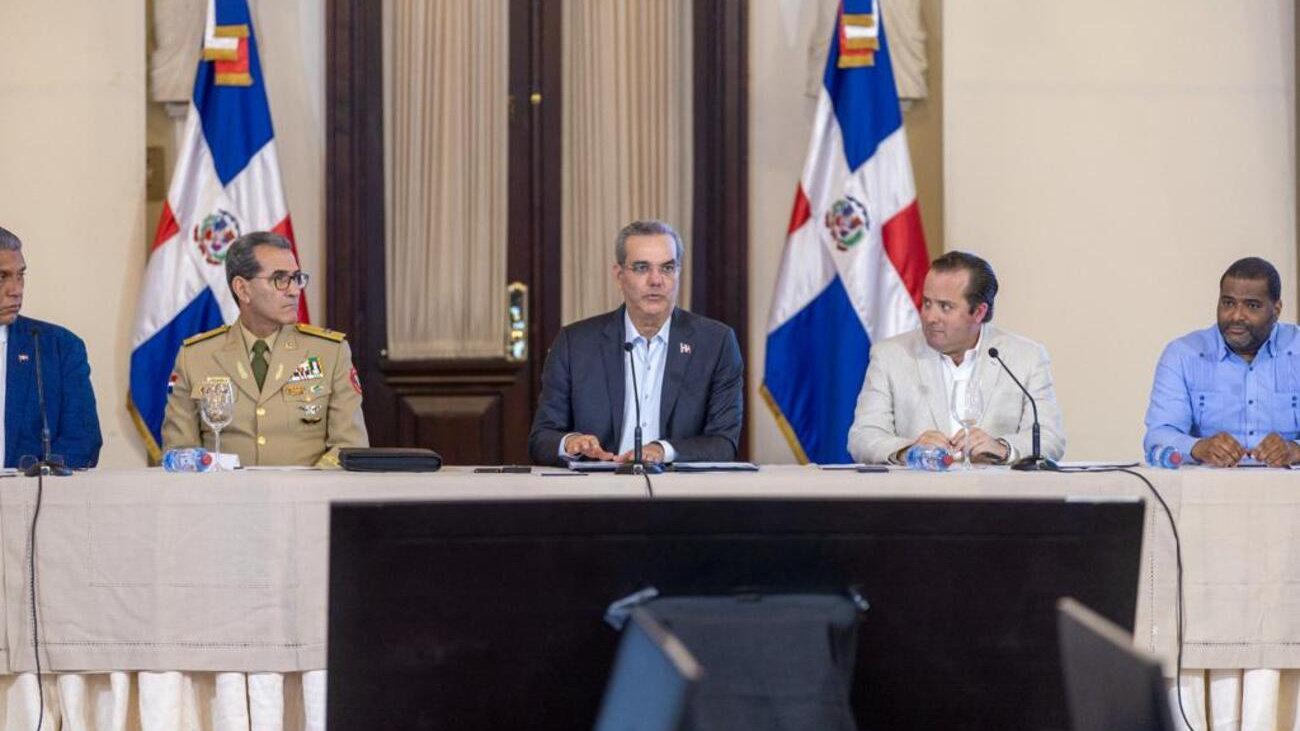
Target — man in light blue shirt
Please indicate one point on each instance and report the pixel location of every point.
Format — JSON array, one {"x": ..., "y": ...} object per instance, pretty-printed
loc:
[{"x": 1232, "y": 391}]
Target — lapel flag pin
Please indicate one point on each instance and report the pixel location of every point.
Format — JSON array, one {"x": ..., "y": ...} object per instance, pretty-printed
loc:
[
  {"x": 22, "y": 357},
  {"x": 686, "y": 348}
]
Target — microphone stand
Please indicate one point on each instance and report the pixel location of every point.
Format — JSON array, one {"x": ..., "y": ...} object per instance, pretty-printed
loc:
[
  {"x": 49, "y": 464},
  {"x": 1035, "y": 462},
  {"x": 638, "y": 465}
]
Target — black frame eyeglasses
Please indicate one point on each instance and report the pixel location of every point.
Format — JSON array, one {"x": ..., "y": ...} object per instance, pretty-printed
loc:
[{"x": 281, "y": 280}]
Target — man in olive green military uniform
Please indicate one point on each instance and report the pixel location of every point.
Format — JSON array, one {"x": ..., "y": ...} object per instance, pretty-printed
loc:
[{"x": 297, "y": 396}]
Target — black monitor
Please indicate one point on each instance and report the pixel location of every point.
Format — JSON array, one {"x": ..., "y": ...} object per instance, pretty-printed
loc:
[
  {"x": 488, "y": 615},
  {"x": 1110, "y": 684},
  {"x": 651, "y": 681}
]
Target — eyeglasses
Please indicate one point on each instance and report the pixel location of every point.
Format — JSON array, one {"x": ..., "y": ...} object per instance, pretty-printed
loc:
[
  {"x": 642, "y": 269},
  {"x": 281, "y": 279}
]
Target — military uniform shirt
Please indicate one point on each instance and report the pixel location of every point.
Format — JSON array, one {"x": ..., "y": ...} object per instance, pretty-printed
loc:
[{"x": 308, "y": 408}]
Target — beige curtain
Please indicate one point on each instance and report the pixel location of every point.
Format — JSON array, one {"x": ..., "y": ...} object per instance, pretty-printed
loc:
[
  {"x": 445, "y": 140},
  {"x": 626, "y": 135}
]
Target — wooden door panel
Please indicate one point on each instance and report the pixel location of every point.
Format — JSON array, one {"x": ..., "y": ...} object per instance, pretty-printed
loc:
[
  {"x": 465, "y": 428},
  {"x": 468, "y": 417}
]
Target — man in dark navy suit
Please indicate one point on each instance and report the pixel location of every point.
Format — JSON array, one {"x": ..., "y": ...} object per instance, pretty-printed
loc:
[
  {"x": 688, "y": 370},
  {"x": 65, "y": 372}
]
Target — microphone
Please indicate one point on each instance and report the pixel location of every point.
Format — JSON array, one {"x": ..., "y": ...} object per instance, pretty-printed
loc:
[
  {"x": 638, "y": 465},
  {"x": 48, "y": 464},
  {"x": 1035, "y": 462}
]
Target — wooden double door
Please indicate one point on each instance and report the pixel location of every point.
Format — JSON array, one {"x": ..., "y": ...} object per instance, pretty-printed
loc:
[{"x": 478, "y": 411}]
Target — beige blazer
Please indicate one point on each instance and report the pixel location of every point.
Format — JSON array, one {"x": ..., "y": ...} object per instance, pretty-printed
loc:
[
  {"x": 309, "y": 406},
  {"x": 903, "y": 395}
]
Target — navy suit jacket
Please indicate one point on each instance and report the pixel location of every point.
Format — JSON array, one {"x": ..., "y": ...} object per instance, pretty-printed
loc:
[
  {"x": 700, "y": 409},
  {"x": 69, "y": 398}
]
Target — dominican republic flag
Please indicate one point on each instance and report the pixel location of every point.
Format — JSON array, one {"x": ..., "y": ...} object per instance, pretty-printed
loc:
[
  {"x": 226, "y": 184},
  {"x": 855, "y": 254}
]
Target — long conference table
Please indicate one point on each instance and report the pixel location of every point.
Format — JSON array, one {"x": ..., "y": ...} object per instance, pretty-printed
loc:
[
  {"x": 191, "y": 592},
  {"x": 142, "y": 570}
]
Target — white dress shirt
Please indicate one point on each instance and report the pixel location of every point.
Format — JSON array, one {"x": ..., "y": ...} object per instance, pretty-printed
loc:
[
  {"x": 958, "y": 377},
  {"x": 650, "y": 358}
]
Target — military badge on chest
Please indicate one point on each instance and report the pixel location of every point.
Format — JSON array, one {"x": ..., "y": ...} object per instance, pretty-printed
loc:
[
  {"x": 312, "y": 412},
  {"x": 305, "y": 384},
  {"x": 308, "y": 370}
]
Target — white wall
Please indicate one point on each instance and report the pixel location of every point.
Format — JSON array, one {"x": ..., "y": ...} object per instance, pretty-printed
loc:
[
  {"x": 1110, "y": 159},
  {"x": 72, "y": 102}
]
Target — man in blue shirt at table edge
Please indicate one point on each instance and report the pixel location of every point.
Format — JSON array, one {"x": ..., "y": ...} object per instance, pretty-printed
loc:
[{"x": 1232, "y": 391}]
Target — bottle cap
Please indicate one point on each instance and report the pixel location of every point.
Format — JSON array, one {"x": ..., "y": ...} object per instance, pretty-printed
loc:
[
  {"x": 1176, "y": 457},
  {"x": 947, "y": 459},
  {"x": 206, "y": 459}
]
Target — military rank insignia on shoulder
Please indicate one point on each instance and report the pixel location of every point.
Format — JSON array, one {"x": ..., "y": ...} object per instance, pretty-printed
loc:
[
  {"x": 205, "y": 336},
  {"x": 320, "y": 332}
]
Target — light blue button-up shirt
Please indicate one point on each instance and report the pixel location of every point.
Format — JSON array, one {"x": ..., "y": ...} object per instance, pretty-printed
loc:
[
  {"x": 650, "y": 358},
  {"x": 1203, "y": 388}
]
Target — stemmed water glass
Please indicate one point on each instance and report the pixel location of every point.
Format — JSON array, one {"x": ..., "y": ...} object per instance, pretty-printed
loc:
[
  {"x": 217, "y": 408},
  {"x": 967, "y": 404}
]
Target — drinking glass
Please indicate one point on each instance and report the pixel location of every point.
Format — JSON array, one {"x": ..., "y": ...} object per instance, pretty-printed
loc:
[
  {"x": 967, "y": 404},
  {"x": 217, "y": 408}
]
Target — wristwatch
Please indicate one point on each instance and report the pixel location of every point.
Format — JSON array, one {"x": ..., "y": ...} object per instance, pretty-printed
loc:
[{"x": 1007, "y": 446}]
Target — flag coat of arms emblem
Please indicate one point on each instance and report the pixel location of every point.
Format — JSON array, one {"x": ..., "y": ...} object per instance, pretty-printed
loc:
[
  {"x": 226, "y": 183},
  {"x": 855, "y": 255}
]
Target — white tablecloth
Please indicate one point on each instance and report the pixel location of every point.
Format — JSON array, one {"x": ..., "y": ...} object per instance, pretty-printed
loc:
[
  {"x": 141, "y": 570},
  {"x": 144, "y": 570}
]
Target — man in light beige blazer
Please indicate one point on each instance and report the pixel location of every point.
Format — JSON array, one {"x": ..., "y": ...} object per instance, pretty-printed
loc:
[{"x": 907, "y": 393}]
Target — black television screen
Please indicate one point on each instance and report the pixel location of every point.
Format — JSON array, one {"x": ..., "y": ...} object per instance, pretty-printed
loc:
[{"x": 488, "y": 615}]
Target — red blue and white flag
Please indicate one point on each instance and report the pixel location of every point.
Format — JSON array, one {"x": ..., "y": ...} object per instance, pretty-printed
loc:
[
  {"x": 855, "y": 255},
  {"x": 226, "y": 183}
]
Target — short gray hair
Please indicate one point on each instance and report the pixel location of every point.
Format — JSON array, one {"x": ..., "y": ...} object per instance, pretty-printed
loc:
[
  {"x": 9, "y": 241},
  {"x": 242, "y": 262},
  {"x": 646, "y": 228}
]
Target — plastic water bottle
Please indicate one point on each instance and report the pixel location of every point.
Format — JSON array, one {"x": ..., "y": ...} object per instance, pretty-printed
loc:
[
  {"x": 189, "y": 459},
  {"x": 930, "y": 459},
  {"x": 1164, "y": 457}
]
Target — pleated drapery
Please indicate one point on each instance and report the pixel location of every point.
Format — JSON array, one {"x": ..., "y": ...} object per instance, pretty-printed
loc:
[
  {"x": 627, "y": 142},
  {"x": 445, "y": 146}
]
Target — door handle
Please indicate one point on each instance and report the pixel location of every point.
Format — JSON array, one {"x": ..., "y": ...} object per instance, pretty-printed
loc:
[{"x": 517, "y": 322}]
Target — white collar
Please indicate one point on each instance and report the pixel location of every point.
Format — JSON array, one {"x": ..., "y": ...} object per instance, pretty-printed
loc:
[
  {"x": 970, "y": 355},
  {"x": 630, "y": 333}
]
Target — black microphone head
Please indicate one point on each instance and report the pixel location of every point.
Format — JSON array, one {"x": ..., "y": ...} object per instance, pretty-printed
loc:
[
  {"x": 627, "y": 347},
  {"x": 993, "y": 352}
]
